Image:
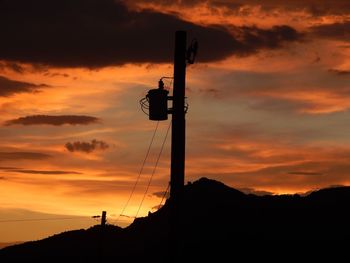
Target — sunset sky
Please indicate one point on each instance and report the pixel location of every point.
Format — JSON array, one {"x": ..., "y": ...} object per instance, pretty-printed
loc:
[{"x": 269, "y": 100}]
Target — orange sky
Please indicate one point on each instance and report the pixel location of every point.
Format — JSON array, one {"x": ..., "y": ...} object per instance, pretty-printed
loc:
[{"x": 271, "y": 114}]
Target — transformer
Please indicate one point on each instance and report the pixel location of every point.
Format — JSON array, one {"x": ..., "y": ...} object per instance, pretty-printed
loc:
[{"x": 157, "y": 104}]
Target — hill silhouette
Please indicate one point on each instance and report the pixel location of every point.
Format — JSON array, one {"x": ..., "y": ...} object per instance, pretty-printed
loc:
[
  {"x": 214, "y": 221},
  {"x": 7, "y": 244}
]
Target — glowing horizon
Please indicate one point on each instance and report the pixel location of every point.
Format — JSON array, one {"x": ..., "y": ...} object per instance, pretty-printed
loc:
[{"x": 268, "y": 108}]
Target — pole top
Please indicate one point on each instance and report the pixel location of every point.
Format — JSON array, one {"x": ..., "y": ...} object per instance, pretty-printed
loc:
[{"x": 180, "y": 32}]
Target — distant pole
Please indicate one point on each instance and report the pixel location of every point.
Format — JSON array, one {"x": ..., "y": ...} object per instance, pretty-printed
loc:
[
  {"x": 177, "y": 174},
  {"x": 103, "y": 218}
]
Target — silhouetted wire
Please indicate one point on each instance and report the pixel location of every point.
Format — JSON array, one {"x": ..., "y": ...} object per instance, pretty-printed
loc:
[
  {"x": 168, "y": 186},
  {"x": 140, "y": 172},
  {"x": 165, "y": 193},
  {"x": 43, "y": 219},
  {"x": 154, "y": 169},
  {"x": 144, "y": 102}
]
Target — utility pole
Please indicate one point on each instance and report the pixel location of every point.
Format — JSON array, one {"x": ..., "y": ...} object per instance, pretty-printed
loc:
[
  {"x": 177, "y": 169},
  {"x": 103, "y": 219},
  {"x": 177, "y": 172},
  {"x": 156, "y": 103}
]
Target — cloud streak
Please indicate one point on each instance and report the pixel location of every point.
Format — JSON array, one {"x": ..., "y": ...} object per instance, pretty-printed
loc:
[
  {"x": 340, "y": 72},
  {"x": 338, "y": 31},
  {"x": 277, "y": 179},
  {"x": 23, "y": 156},
  {"x": 312, "y": 91},
  {"x": 53, "y": 120},
  {"x": 305, "y": 173},
  {"x": 40, "y": 172},
  {"x": 10, "y": 87},
  {"x": 86, "y": 147}
]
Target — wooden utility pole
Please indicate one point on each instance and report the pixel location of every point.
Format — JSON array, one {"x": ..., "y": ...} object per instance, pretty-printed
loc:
[
  {"x": 177, "y": 173},
  {"x": 103, "y": 218}
]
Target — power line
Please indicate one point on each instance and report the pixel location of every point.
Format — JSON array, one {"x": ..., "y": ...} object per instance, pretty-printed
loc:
[
  {"x": 154, "y": 169},
  {"x": 140, "y": 172}
]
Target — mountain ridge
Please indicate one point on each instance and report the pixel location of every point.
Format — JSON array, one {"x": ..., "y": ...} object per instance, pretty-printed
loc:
[{"x": 213, "y": 217}]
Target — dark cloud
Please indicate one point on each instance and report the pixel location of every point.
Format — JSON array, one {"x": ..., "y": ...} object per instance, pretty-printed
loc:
[
  {"x": 339, "y": 31},
  {"x": 12, "y": 66},
  {"x": 2, "y": 178},
  {"x": 53, "y": 120},
  {"x": 65, "y": 75},
  {"x": 253, "y": 39},
  {"x": 340, "y": 72},
  {"x": 97, "y": 33},
  {"x": 86, "y": 147},
  {"x": 40, "y": 172},
  {"x": 26, "y": 171},
  {"x": 313, "y": 7},
  {"x": 10, "y": 87},
  {"x": 185, "y": 3},
  {"x": 23, "y": 155}
]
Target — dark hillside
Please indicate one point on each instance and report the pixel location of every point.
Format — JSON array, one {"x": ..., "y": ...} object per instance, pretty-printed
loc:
[{"x": 214, "y": 220}]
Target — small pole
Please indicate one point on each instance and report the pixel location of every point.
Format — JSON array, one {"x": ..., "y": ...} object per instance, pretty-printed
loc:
[{"x": 103, "y": 218}]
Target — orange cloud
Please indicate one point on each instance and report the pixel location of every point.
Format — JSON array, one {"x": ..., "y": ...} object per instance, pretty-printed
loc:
[{"x": 245, "y": 158}]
